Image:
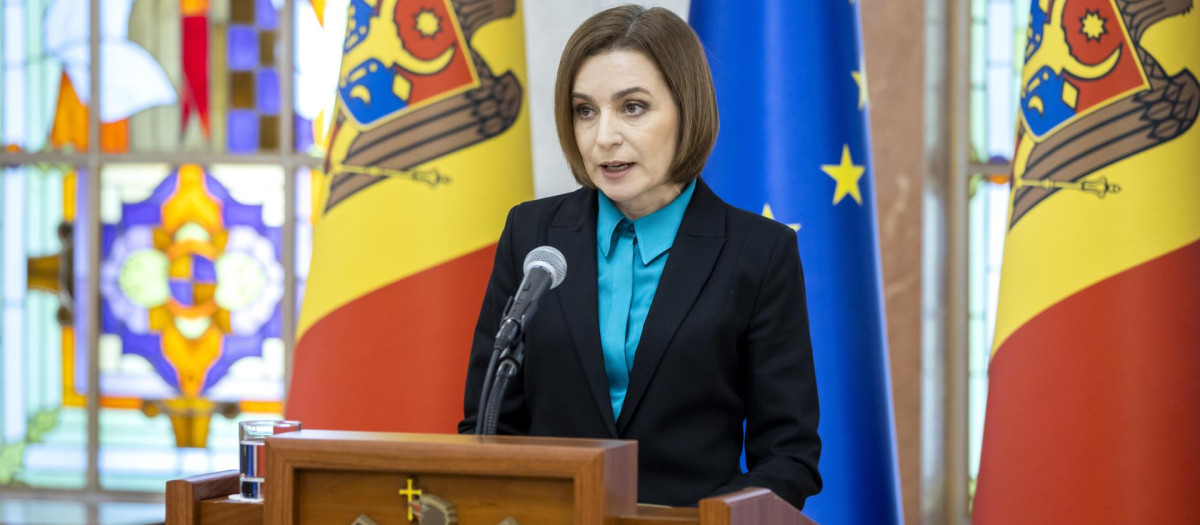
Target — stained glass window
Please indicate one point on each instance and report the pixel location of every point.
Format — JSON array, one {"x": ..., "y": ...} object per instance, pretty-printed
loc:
[
  {"x": 59, "y": 512},
  {"x": 43, "y": 438},
  {"x": 191, "y": 283},
  {"x": 318, "y": 39},
  {"x": 191, "y": 277},
  {"x": 252, "y": 41},
  {"x": 192, "y": 75},
  {"x": 988, "y": 213},
  {"x": 997, "y": 53},
  {"x": 998, "y": 36},
  {"x": 306, "y": 180},
  {"x": 177, "y": 76},
  {"x": 40, "y": 104}
]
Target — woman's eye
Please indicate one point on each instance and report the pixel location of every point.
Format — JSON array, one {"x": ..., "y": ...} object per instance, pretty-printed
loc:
[
  {"x": 584, "y": 111},
  {"x": 634, "y": 108}
]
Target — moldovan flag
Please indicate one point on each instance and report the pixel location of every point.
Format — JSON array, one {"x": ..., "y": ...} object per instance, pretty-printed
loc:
[
  {"x": 1092, "y": 413},
  {"x": 428, "y": 150}
]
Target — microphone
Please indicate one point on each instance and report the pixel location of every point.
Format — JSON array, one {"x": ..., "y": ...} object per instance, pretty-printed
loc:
[{"x": 545, "y": 268}]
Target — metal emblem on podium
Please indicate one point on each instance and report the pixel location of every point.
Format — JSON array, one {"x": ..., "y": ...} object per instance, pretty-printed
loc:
[
  {"x": 429, "y": 509},
  {"x": 433, "y": 510}
]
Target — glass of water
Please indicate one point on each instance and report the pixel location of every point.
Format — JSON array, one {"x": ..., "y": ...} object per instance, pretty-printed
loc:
[{"x": 252, "y": 453}]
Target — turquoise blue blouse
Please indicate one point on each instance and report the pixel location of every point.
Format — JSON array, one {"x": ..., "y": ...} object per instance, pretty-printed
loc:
[{"x": 630, "y": 258}]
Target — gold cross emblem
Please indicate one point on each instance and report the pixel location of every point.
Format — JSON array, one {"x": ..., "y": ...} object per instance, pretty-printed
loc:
[{"x": 409, "y": 493}]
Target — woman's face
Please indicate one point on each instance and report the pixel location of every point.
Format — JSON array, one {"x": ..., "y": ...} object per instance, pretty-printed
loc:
[{"x": 627, "y": 130}]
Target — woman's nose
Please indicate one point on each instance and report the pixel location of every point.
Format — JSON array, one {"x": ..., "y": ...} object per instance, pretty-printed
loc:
[{"x": 608, "y": 130}]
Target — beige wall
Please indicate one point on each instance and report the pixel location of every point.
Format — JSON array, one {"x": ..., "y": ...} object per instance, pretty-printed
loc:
[{"x": 893, "y": 37}]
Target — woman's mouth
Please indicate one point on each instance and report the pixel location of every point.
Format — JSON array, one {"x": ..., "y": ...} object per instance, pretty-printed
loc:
[{"x": 613, "y": 169}]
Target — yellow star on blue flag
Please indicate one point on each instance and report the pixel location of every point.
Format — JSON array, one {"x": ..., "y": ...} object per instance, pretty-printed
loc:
[
  {"x": 860, "y": 78},
  {"x": 847, "y": 175}
]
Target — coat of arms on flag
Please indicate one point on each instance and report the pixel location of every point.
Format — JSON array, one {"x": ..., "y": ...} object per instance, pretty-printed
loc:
[
  {"x": 410, "y": 77},
  {"x": 1093, "y": 95}
]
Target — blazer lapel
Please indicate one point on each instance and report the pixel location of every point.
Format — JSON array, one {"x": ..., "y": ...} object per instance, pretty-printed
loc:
[
  {"x": 689, "y": 263},
  {"x": 573, "y": 232}
]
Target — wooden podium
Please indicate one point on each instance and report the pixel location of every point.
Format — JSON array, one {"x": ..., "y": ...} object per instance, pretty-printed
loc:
[{"x": 326, "y": 477}]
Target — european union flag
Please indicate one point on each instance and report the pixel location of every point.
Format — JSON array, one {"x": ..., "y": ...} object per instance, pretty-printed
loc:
[{"x": 793, "y": 146}]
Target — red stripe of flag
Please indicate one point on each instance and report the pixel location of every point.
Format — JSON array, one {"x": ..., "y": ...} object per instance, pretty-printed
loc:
[
  {"x": 1093, "y": 412},
  {"x": 395, "y": 359}
]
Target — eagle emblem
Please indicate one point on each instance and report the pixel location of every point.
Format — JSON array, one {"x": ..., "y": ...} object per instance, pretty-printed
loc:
[
  {"x": 1092, "y": 95},
  {"x": 411, "y": 89}
]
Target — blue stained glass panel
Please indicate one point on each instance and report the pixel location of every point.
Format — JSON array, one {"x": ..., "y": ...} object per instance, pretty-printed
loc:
[
  {"x": 243, "y": 131},
  {"x": 243, "y": 48},
  {"x": 203, "y": 270},
  {"x": 304, "y": 133},
  {"x": 265, "y": 16},
  {"x": 267, "y": 86}
]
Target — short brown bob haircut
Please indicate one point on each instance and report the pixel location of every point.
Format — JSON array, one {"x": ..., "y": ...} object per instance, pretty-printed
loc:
[{"x": 671, "y": 44}]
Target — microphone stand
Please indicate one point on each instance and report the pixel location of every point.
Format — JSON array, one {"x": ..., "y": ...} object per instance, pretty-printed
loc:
[
  {"x": 510, "y": 361},
  {"x": 509, "y": 352},
  {"x": 508, "y": 349}
]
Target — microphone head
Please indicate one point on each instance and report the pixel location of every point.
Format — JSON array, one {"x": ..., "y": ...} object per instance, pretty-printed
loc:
[{"x": 550, "y": 259}]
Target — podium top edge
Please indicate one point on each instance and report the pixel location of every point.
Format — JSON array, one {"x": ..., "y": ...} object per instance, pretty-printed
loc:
[{"x": 449, "y": 439}]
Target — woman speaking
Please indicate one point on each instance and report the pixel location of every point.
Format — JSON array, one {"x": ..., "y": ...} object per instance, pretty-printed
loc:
[{"x": 681, "y": 317}]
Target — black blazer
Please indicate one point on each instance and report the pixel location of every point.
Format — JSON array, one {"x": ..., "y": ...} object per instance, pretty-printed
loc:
[{"x": 726, "y": 340}]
